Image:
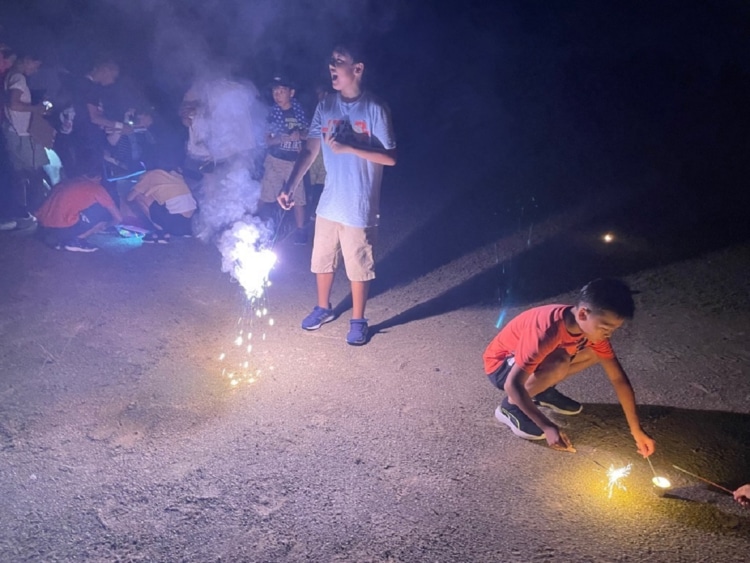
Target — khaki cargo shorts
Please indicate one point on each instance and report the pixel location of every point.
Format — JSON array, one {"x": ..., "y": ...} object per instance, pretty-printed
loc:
[
  {"x": 335, "y": 240},
  {"x": 276, "y": 173}
]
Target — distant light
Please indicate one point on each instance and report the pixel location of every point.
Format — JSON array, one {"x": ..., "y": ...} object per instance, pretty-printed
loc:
[{"x": 608, "y": 237}]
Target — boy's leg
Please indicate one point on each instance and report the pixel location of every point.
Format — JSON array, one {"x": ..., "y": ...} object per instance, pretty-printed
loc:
[
  {"x": 357, "y": 250},
  {"x": 551, "y": 371},
  {"x": 325, "y": 257},
  {"x": 359, "y": 298},
  {"x": 324, "y": 284},
  {"x": 554, "y": 369}
]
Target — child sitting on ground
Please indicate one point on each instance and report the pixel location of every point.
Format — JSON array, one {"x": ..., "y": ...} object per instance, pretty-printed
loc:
[
  {"x": 545, "y": 345},
  {"x": 167, "y": 202},
  {"x": 75, "y": 210}
]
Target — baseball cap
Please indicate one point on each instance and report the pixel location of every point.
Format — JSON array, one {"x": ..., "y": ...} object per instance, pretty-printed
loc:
[{"x": 281, "y": 81}]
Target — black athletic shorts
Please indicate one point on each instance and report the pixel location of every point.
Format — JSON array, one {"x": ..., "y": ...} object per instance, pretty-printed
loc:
[{"x": 498, "y": 377}]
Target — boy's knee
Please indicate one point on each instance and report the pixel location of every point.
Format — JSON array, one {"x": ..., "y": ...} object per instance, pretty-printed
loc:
[{"x": 557, "y": 362}]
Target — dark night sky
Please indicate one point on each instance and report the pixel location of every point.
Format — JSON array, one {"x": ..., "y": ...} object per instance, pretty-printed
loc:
[{"x": 496, "y": 82}]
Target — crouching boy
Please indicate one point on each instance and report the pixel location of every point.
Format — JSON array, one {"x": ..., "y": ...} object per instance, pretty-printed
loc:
[
  {"x": 545, "y": 345},
  {"x": 75, "y": 210}
]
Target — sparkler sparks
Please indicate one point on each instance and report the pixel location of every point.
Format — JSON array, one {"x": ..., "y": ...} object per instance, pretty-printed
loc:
[{"x": 615, "y": 477}]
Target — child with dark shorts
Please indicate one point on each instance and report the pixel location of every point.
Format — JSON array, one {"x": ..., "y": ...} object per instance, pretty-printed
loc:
[
  {"x": 545, "y": 345},
  {"x": 75, "y": 210}
]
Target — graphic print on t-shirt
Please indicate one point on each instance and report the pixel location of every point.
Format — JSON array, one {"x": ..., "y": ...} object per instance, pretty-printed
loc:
[{"x": 347, "y": 133}]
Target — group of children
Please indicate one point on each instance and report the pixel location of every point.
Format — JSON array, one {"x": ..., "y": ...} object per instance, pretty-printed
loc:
[
  {"x": 161, "y": 203},
  {"x": 527, "y": 359}
]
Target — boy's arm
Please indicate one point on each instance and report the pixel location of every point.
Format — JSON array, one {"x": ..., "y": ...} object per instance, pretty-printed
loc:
[
  {"x": 519, "y": 396},
  {"x": 305, "y": 159},
  {"x": 626, "y": 396},
  {"x": 15, "y": 103},
  {"x": 386, "y": 157}
]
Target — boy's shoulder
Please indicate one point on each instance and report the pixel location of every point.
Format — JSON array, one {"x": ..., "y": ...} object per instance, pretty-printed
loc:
[{"x": 551, "y": 313}]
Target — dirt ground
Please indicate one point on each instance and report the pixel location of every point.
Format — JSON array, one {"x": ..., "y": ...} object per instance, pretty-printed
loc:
[{"x": 121, "y": 440}]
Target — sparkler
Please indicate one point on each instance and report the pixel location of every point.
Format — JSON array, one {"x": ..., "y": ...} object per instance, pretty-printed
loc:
[
  {"x": 704, "y": 480},
  {"x": 615, "y": 477}
]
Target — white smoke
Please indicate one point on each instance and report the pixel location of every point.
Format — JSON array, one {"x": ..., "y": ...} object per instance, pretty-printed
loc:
[{"x": 227, "y": 128}]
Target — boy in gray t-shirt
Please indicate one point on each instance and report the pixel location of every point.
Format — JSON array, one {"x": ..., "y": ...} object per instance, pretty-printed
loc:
[{"x": 354, "y": 130}]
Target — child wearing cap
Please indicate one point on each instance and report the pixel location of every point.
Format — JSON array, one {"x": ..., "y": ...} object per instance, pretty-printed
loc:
[{"x": 287, "y": 130}]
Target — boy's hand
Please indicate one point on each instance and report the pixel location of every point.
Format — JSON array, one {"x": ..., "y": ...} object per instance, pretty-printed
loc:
[
  {"x": 336, "y": 147},
  {"x": 285, "y": 201},
  {"x": 644, "y": 443},
  {"x": 558, "y": 440},
  {"x": 742, "y": 495}
]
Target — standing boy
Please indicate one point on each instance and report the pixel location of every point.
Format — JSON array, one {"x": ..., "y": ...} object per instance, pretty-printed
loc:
[
  {"x": 287, "y": 130},
  {"x": 354, "y": 129},
  {"x": 545, "y": 345}
]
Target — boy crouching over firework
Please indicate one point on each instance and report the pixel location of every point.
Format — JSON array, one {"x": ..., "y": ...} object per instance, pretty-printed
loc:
[{"x": 545, "y": 345}]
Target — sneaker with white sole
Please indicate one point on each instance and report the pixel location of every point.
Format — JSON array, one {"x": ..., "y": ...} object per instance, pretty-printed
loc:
[
  {"x": 8, "y": 225},
  {"x": 317, "y": 318},
  {"x": 520, "y": 424},
  {"x": 559, "y": 403},
  {"x": 80, "y": 245}
]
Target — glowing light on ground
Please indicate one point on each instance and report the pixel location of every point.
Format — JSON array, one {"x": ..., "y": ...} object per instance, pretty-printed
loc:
[
  {"x": 615, "y": 477},
  {"x": 661, "y": 482}
]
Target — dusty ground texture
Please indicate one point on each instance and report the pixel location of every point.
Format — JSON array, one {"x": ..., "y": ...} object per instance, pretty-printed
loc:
[{"x": 120, "y": 440}]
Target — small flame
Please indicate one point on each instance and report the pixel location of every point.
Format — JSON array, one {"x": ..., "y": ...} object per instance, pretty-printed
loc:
[{"x": 615, "y": 476}]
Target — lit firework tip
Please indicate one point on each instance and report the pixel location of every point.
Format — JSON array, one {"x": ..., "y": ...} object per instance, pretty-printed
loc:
[
  {"x": 608, "y": 237},
  {"x": 615, "y": 476}
]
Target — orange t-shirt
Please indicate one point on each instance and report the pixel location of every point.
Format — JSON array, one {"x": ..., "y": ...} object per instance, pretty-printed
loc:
[
  {"x": 63, "y": 206},
  {"x": 533, "y": 335}
]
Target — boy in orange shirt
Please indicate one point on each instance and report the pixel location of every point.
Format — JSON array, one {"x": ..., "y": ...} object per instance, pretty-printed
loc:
[
  {"x": 76, "y": 209},
  {"x": 545, "y": 345}
]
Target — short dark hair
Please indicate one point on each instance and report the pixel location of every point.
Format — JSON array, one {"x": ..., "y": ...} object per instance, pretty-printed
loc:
[
  {"x": 608, "y": 294},
  {"x": 355, "y": 49}
]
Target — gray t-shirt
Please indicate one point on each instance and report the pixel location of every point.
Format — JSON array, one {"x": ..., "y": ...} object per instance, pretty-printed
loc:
[{"x": 352, "y": 190}]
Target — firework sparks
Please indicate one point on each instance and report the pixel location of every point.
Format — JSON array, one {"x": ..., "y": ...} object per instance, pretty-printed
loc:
[
  {"x": 248, "y": 259},
  {"x": 615, "y": 476}
]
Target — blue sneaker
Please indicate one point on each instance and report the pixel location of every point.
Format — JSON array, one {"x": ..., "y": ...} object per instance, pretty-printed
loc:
[
  {"x": 553, "y": 399},
  {"x": 520, "y": 424},
  {"x": 317, "y": 318},
  {"x": 357, "y": 332}
]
